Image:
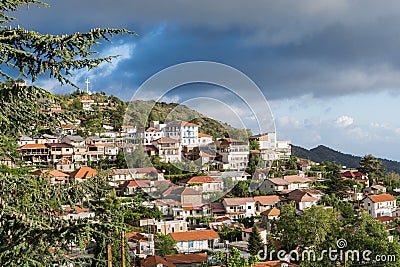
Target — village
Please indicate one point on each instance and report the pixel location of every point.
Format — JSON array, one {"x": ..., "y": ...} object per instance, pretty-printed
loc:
[{"x": 202, "y": 211}]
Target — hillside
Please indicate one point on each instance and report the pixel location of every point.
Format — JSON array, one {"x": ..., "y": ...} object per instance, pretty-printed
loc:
[
  {"x": 322, "y": 153},
  {"x": 172, "y": 111}
]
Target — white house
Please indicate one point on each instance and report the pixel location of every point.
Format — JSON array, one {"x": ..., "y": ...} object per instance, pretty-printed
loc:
[
  {"x": 167, "y": 227},
  {"x": 187, "y": 133},
  {"x": 169, "y": 149},
  {"x": 380, "y": 205},
  {"x": 195, "y": 241},
  {"x": 140, "y": 244},
  {"x": 203, "y": 184},
  {"x": 235, "y": 153},
  {"x": 247, "y": 232},
  {"x": 302, "y": 199},
  {"x": 239, "y": 207}
]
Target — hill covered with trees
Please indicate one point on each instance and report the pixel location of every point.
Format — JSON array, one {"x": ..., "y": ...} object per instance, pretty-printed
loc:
[{"x": 322, "y": 153}]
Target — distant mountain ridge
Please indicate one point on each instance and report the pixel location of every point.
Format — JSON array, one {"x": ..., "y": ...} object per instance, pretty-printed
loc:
[{"x": 323, "y": 153}]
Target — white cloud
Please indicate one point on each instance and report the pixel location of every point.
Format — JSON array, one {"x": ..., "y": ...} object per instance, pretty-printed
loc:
[
  {"x": 286, "y": 122},
  {"x": 344, "y": 121}
]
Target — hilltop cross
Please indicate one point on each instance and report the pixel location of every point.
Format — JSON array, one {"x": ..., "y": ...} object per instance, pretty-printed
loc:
[{"x": 87, "y": 85}]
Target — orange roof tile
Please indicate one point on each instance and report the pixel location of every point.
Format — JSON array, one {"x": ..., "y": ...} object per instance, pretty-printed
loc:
[
  {"x": 187, "y": 258},
  {"x": 33, "y": 146},
  {"x": 267, "y": 200},
  {"x": 382, "y": 198},
  {"x": 200, "y": 180},
  {"x": 84, "y": 172},
  {"x": 194, "y": 235},
  {"x": 185, "y": 123},
  {"x": 271, "y": 212},
  {"x": 154, "y": 261},
  {"x": 204, "y": 135}
]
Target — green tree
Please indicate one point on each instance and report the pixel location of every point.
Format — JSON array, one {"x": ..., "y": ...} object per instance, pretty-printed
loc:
[
  {"x": 334, "y": 182},
  {"x": 373, "y": 167},
  {"x": 254, "y": 145},
  {"x": 31, "y": 232},
  {"x": 287, "y": 228},
  {"x": 255, "y": 244},
  {"x": 241, "y": 189},
  {"x": 164, "y": 245}
]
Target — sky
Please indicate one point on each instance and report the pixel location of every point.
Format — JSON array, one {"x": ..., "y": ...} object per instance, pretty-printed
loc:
[{"x": 330, "y": 70}]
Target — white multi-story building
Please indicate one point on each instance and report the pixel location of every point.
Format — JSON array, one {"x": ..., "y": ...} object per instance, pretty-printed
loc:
[
  {"x": 270, "y": 148},
  {"x": 239, "y": 207},
  {"x": 187, "y": 133},
  {"x": 169, "y": 149},
  {"x": 380, "y": 205},
  {"x": 235, "y": 153}
]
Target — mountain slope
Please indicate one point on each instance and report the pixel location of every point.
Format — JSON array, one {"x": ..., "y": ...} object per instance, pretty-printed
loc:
[
  {"x": 171, "y": 111},
  {"x": 322, "y": 153}
]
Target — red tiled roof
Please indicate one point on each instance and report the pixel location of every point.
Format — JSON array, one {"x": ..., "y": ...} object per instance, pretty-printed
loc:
[
  {"x": 185, "y": 123},
  {"x": 271, "y": 212},
  {"x": 278, "y": 181},
  {"x": 194, "y": 235},
  {"x": 200, "y": 180},
  {"x": 187, "y": 258},
  {"x": 33, "y": 146},
  {"x": 166, "y": 140},
  {"x": 267, "y": 200},
  {"x": 131, "y": 183},
  {"x": 50, "y": 173},
  {"x": 296, "y": 179},
  {"x": 84, "y": 172},
  {"x": 248, "y": 230},
  {"x": 385, "y": 219},
  {"x": 154, "y": 261},
  {"x": 300, "y": 196},
  {"x": 382, "y": 198},
  {"x": 204, "y": 135},
  {"x": 238, "y": 201}
]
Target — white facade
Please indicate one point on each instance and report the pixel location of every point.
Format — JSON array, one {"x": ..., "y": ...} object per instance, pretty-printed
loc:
[
  {"x": 187, "y": 133},
  {"x": 380, "y": 205}
]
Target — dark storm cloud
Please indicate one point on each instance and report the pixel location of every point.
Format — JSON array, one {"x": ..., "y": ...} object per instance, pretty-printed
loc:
[{"x": 289, "y": 48}]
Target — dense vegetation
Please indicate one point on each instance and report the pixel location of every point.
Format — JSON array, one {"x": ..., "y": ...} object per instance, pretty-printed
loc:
[{"x": 146, "y": 111}]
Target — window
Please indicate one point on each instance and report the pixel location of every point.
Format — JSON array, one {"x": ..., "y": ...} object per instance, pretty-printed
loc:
[
  {"x": 191, "y": 244},
  {"x": 249, "y": 207}
]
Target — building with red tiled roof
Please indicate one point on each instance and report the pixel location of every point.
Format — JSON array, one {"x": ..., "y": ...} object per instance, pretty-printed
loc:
[
  {"x": 247, "y": 232},
  {"x": 302, "y": 199},
  {"x": 183, "y": 194},
  {"x": 141, "y": 244},
  {"x": 34, "y": 153},
  {"x": 239, "y": 207},
  {"x": 169, "y": 149},
  {"x": 266, "y": 202},
  {"x": 155, "y": 261},
  {"x": 380, "y": 205},
  {"x": 194, "y": 241},
  {"x": 269, "y": 215},
  {"x": 203, "y": 183},
  {"x": 234, "y": 153},
  {"x": 184, "y": 260},
  {"x": 54, "y": 176},
  {"x": 82, "y": 174}
]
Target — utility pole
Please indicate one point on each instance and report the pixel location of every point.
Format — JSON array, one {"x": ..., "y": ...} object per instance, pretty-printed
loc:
[
  {"x": 123, "y": 248},
  {"x": 109, "y": 255}
]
